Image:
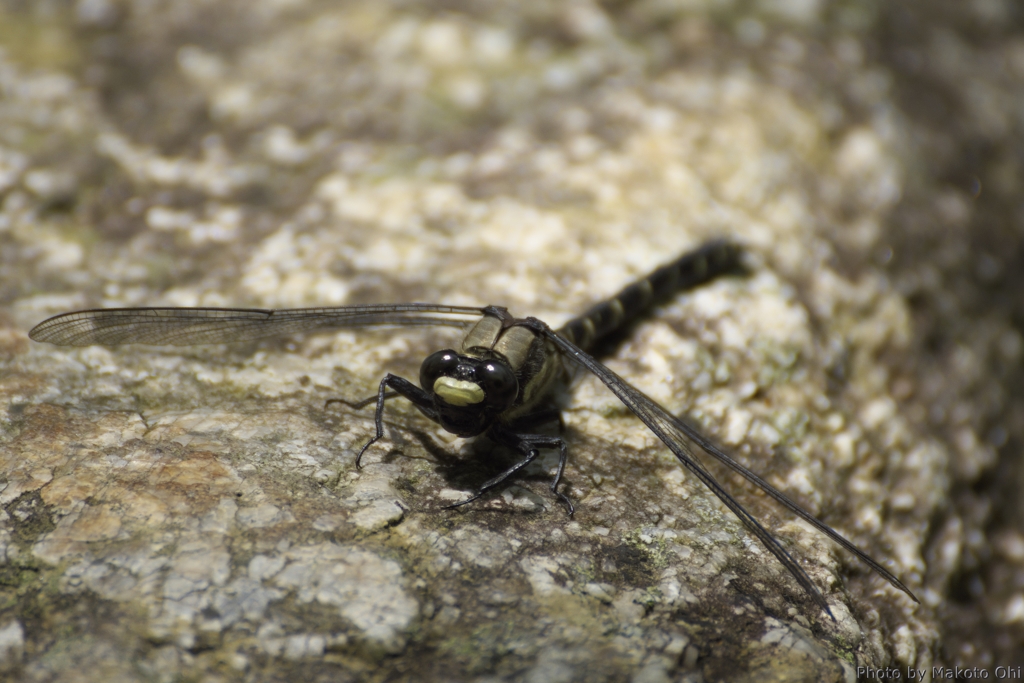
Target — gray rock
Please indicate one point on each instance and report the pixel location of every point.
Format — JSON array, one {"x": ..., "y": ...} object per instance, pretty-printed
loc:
[{"x": 174, "y": 513}]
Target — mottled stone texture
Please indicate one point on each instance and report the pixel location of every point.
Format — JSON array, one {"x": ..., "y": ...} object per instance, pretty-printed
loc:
[{"x": 195, "y": 514}]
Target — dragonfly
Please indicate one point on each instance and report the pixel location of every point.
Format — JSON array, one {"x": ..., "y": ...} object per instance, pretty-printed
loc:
[{"x": 498, "y": 380}]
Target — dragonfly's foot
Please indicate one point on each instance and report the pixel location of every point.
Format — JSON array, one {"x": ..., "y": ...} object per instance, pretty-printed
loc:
[
  {"x": 566, "y": 502},
  {"x": 359, "y": 456},
  {"x": 464, "y": 502}
]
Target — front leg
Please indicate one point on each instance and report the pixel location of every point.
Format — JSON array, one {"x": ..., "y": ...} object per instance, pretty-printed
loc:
[
  {"x": 528, "y": 445},
  {"x": 420, "y": 398},
  {"x": 362, "y": 403}
]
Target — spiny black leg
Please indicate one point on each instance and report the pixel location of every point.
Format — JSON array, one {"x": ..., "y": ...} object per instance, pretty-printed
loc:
[
  {"x": 356, "y": 405},
  {"x": 404, "y": 387},
  {"x": 528, "y": 445},
  {"x": 491, "y": 483},
  {"x": 543, "y": 441},
  {"x": 540, "y": 417},
  {"x": 563, "y": 455}
]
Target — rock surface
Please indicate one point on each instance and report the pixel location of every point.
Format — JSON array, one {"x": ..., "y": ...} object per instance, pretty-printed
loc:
[{"x": 195, "y": 513}]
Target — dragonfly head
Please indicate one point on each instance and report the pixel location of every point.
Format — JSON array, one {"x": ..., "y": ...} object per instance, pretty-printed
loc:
[{"x": 468, "y": 392}]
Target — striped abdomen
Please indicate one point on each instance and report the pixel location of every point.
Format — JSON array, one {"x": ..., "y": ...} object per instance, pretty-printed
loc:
[{"x": 689, "y": 270}]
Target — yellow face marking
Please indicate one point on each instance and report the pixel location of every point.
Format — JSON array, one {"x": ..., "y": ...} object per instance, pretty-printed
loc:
[{"x": 458, "y": 392}]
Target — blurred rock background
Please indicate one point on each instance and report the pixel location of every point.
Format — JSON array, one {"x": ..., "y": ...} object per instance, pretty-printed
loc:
[{"x": 193, "y": 513}]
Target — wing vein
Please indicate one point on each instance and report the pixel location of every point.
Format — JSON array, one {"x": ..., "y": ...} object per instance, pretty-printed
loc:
[
  {"x": 186, "y": 326},
  {"x": 675, "y": 434}
]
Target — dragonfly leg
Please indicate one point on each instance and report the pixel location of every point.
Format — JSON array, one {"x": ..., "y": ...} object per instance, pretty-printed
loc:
[
  {"x": 491, "y": 483},
  {"x": 529, "y": 445},
  {"x": 535, "y": 441},
  {"x": 563, "y": 455},
  {"x": 356, "y": 405},
  {"x": 420, "y": 398}
]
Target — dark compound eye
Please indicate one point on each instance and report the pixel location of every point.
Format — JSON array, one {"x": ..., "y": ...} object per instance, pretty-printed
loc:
[
  {"x": 499, "y": 384},
  {"x": 435, "y": 365}
]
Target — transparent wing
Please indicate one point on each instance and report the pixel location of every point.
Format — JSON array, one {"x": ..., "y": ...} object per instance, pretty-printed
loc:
[
  {"x": 676, "y": 435},
  {"x": 183, "y": 326}
]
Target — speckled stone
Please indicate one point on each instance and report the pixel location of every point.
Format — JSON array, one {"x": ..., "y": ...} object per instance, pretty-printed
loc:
[{"x": 179, "y": 513}]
